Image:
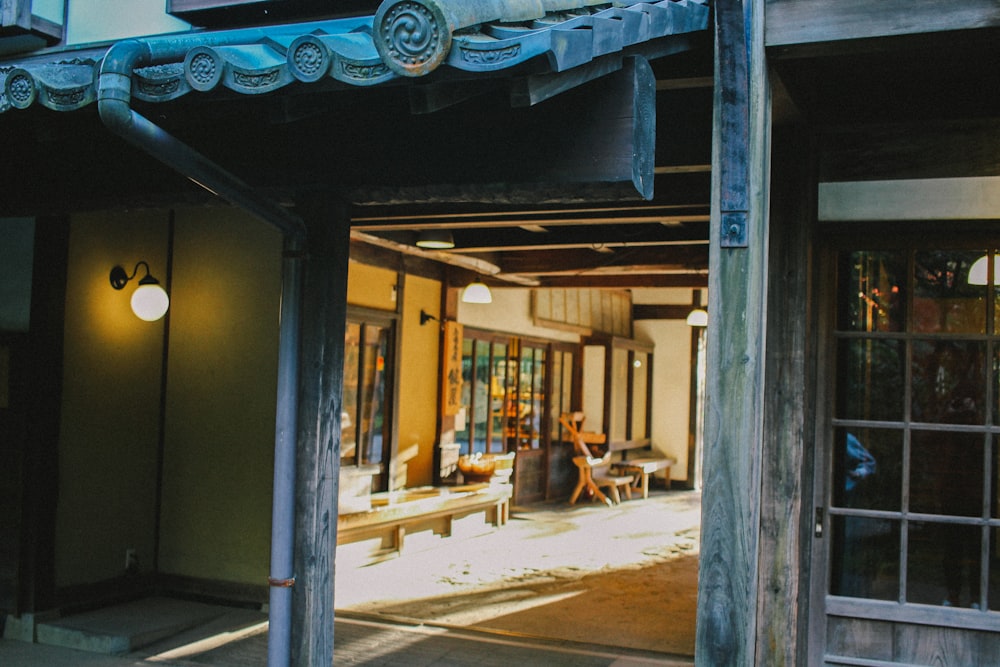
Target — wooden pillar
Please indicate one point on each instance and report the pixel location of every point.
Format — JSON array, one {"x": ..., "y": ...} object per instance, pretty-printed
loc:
[
  {"x": 728, "y": 574},
  {"x": 786, "y": 470},
  {"x": 36, "y": 366},
  {"x": 324, "y": 312}
]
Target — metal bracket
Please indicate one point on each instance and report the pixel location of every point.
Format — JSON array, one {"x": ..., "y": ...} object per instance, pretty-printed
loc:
[{"x": 734, "y": 229}]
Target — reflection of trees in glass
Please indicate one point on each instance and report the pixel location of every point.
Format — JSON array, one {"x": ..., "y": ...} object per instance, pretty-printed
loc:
[
  {"x": 872, "y": 379},
  {"x": 943, "y": 299},
  {"x": 941, "y": 468},
  {"x": 948, "y": 382},
  {"x": 875, "y": 283}
]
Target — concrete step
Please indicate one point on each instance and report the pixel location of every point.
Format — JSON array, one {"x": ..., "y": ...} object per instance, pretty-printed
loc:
[{"x": 127, "y": 627}]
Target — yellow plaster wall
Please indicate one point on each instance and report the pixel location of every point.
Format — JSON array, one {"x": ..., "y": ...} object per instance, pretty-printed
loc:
[
  {"x": 418, "y": 382},
  {"x": 111, "y": 386},
  {"x": 221, "y": 397},
  {"x": 371, "y": 286}
]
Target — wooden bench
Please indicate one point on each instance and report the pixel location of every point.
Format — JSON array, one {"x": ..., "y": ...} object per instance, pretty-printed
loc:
[
  {"x": 395, "y": 513},
  {"x": 643, "y": 467}
]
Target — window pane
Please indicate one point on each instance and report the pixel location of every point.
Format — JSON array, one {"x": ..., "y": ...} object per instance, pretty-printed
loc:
[
  {"x": 943, "y": 564},
  {"x": 501, "y": 400},
  {"x": 946, "y": 473},
  {"x": 556, "y": 406},
  {"x": 537, "y": 395},
  {"x": 949, "y": 385},
  {"x": 994, "y": 475},
  {"x": 528, "y": 398},
  {"x": 994, "y": 590},
  {"x": 943, "y": 298},
  {"x": 872, "y": 285},
  {"x": 349, "y": 411},
  {"x": 485, "y": 399},
  {"x": 865, "y": 561},
  {"x": 871, "y": 380},
  {"x": 871, "y": 466},
  {"x": 372, "y": 414},
  {"x": 463, "y": 426}
]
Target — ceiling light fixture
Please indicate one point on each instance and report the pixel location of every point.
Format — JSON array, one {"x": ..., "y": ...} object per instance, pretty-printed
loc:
[
  {"x": 477, "y": 292},
  {"x": 698, "y": 318},
  {"x": 435, "y": 239},
  {"x": 150, "y": 300}
]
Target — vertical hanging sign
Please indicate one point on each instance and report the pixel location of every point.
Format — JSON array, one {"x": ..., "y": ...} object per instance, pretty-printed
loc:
[{"x": 451, "y": 371}]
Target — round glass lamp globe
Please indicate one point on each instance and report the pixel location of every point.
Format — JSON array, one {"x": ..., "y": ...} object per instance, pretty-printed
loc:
[{"x": 150, "y": 302}]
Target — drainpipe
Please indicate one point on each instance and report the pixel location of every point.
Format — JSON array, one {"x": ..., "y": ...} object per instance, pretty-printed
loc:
[
  {"x": 282, "y": 575},
  {"x": 114, "y": 95}
]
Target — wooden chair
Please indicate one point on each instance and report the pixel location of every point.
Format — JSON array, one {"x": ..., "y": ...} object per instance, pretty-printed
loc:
[{"x": 595, "y": 472}]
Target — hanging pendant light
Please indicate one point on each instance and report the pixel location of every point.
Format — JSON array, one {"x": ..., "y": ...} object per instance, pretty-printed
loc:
[
  {"x": 477, "y": 292},
  {"x": 436, "y": 239},
  {"x": 698, "y": 318}
]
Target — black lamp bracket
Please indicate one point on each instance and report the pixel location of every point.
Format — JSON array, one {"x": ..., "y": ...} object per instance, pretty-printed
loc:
[{"x": 119, "y": 278}]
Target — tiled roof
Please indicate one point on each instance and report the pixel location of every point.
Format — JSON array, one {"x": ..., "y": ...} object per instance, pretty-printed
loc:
[{"x": 404, "y": 39}]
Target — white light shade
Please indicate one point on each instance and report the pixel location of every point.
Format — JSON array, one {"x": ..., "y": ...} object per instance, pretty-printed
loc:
[
  {"x": 477, "y": 292},
  {"x": 978, "y": 270},
  {"x": 698, "y": 318},
  {"x": 436, "y": 239},
  {"x": 150, "y": 301}
]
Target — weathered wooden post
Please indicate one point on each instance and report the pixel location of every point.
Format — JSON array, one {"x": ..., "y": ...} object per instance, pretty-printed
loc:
[
  {"x": 324, "y": 312},
  {"x": 727, "y": 581}
]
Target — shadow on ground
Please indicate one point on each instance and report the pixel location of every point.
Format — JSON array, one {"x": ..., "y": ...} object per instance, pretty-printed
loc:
[{"x": 625, "y": 577}]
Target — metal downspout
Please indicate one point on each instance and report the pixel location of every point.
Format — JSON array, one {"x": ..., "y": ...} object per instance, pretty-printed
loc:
[
  {"x": 114, "y": 95},
  {"x": 282, "y": 576}
]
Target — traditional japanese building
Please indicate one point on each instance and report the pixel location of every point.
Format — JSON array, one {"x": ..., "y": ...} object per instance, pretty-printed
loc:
[{"x": 316, "y": 188}]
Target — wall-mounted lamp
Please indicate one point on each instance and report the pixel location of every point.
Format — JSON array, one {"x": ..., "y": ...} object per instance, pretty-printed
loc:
[
  {"x": 698, "y": 318},
  {"x": 426, "y": 317},
  {"x": 149, "y": 300},
  {"x": 477, "y": 292},
  {"x": 435, "y": 239}
]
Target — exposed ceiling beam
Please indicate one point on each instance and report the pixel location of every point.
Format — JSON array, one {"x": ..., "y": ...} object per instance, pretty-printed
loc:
[{"x": 629, "y": 281}]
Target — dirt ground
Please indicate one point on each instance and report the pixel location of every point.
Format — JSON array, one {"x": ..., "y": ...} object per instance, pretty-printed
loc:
[{"x": 620, "y": 576}]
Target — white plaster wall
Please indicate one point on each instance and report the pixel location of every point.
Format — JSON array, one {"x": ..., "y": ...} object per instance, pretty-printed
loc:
[
  {"x": 50, "y": 10},
  {"x": 107, "y": 20},
  {"x": 510, "y": 312},
  {"x": 671, "y": 375}
]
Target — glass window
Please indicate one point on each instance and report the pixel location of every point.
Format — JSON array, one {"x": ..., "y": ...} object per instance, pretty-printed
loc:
[
  {"x": 486, "y": 399},
  {"x": 869, "y": 465},
  {"x": 562, "y": 396},
  {"x": 872, "y": 287},
  {"x": 871, "y": 374},
  {"x": 944, "y": 300},
  {"x": 914, "y": 484},
  {"x": 530, "y": 394},
  {"x": 349, "y": 409},
  {"x": 372, "y": 407},
  {"x": 364, "y": 423},
  {"x": 502, "y": 399}
]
